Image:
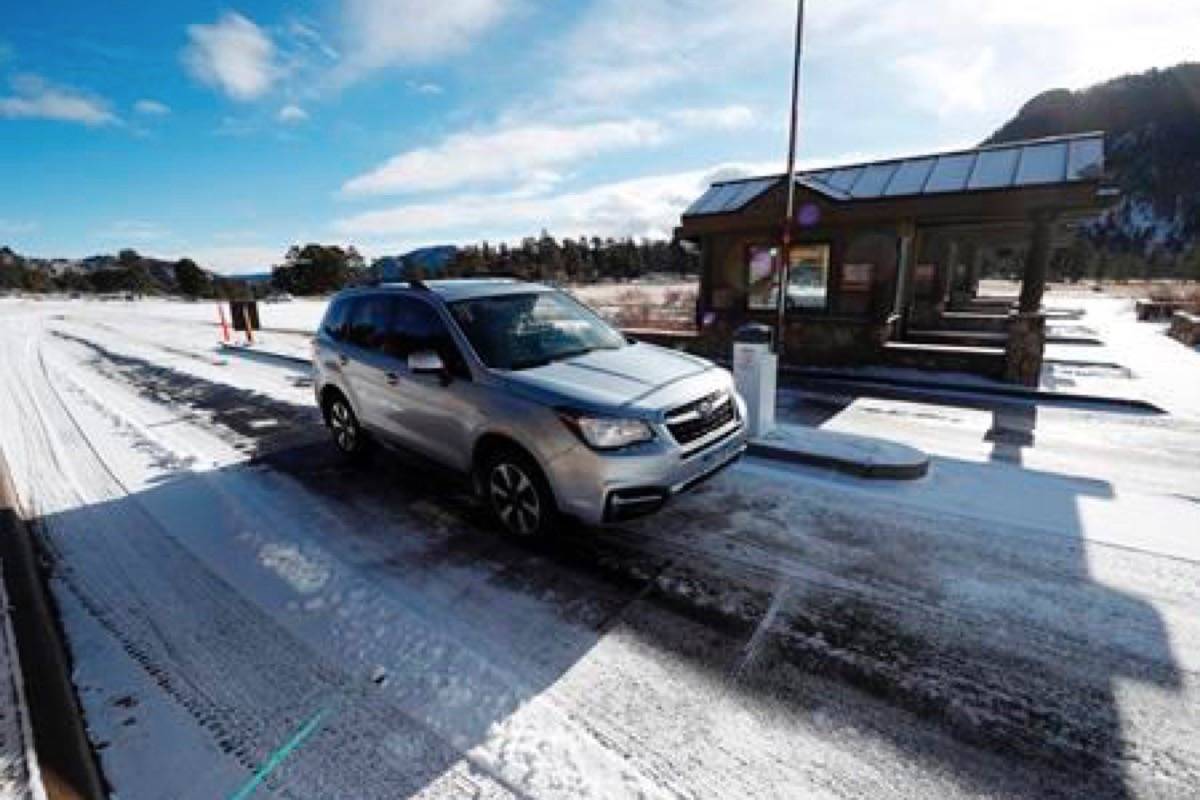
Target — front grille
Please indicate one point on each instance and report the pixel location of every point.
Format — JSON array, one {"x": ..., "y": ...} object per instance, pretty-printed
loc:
[{"x": 701, "y": 417}]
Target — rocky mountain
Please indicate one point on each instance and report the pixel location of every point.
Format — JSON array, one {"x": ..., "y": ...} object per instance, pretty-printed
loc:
[
  {"x": 1152, "y": 122},
  {"x": 125, "y": 271},
  {"x": 427, "y": 262}
]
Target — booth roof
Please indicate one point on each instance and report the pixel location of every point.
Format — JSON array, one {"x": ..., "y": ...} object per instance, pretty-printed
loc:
[{"x": 1036, "y": 162}]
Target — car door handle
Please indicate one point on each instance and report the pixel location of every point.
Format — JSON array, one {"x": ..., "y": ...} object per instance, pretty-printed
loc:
[{"x": 392, "y": 378}]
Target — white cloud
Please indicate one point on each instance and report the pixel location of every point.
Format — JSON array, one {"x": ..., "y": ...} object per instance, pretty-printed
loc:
[
  {"x": 983, "y": 59},
  {"x": 971, "y": 63},
  {"x": 308, "y": 37},
  {"x": 732, "y": 117},
  {"x": 151, "y": 108},
  {"x": 520, "y": 154},
  {"x": 424, "y": 87},
  {"x": 384, "y": 33},
  {"x": 233, "y": 55},
  {"x": 235, "y": 259},
  {"x": 646, "y": 206},
  {"x": 292, "y": 114},
  {"x": 35, "y": 98},
  {"x": 625, "y": 48}
]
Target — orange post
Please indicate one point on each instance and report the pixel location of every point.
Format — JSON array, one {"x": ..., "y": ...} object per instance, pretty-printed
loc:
[{"x": 224, "y": 324}]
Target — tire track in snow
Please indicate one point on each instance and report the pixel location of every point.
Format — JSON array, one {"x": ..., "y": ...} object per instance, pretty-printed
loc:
[
  {"x": 245, "y": 717},
  {"x": 496, "y": 776}
]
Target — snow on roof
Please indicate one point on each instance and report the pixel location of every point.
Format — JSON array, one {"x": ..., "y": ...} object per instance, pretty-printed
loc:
[{"x": 1035, "y": 162}]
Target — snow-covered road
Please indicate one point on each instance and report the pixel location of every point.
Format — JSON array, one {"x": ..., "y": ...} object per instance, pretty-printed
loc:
[{"x": 248, "y": 615}]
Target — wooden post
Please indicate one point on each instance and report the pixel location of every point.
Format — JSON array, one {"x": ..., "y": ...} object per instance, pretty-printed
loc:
[
  {"x": 904, "y": 267},
  {"x": 1037, "y": 261},
  {"x": 249, "y": 327},
  {"x": 946, "y": 275}
]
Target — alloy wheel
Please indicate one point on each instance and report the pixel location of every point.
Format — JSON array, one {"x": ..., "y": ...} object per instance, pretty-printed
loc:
[
  {"x": 515, "y": 499},
  {"x": 344, "y": 426}
]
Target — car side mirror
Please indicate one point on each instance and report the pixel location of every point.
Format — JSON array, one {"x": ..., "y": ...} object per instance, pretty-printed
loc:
[{"x": 426, "y": 362}]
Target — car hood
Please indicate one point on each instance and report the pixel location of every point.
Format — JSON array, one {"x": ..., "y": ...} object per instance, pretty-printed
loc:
[{"x": 640, "y": 378}]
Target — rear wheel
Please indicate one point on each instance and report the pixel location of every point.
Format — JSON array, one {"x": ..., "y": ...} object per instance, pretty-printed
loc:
[
  {"x": 343, "y": 424},
  {"x": 518, "y": 495}
]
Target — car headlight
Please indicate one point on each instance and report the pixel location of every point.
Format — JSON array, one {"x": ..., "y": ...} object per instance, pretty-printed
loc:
[{"x": 608, "y": 433}]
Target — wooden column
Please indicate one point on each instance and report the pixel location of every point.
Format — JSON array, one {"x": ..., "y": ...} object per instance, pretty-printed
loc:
[
  {"x": 1037, "y": 261},
  {"x": 961, "y": 290},
  {"x": 974, "y": 267},
  {"x": 904, "y": 268},
  {"x": 946, "y": 274}
]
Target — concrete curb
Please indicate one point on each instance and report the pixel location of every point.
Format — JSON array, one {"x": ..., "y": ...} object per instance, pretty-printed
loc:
[
  {"x": 64, "y": 755},
  {"x": 859, "y": 469},
  {"x": 801, "y": 374},
  {"x": 854, "y": 454},
  {"x": 250, "y": 351}
]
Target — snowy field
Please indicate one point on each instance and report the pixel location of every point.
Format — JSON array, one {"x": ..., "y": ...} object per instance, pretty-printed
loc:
[{"x": 247, "y": 615}]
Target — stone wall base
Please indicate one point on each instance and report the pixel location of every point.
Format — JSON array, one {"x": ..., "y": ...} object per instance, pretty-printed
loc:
[
  {"x": 1185, "y": 327},
  {"x": 1026, "y": 348}
]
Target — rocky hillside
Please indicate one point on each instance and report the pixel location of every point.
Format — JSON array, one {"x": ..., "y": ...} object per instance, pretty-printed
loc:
[
  {"x": 128, "y": 271},
  {"x": 1152, "y": 121}
]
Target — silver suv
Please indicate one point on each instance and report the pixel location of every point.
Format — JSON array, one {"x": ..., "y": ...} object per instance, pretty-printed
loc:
[{"x": 549, "y": 409}]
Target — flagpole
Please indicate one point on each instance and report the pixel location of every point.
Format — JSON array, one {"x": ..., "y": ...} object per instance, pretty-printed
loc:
[{"x": 789, "y": 220}]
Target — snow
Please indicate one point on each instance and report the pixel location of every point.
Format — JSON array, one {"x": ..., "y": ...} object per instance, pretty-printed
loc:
[
  {"x": 1159, "y": 368},
  {"x": 1021, "y": 622}
]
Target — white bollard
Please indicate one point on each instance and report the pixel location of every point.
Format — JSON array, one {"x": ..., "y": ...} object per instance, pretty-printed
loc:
[{"x": 754, "y": 373}]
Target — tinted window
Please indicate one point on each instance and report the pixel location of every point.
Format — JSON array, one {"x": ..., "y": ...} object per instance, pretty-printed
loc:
[
  {"x": 368, "y": 321},
  {"x": 416, "y": 326},
  {"x": 334, "y": 324}
]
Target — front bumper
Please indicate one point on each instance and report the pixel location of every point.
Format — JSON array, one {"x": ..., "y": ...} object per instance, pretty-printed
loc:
[{"x": 601, "y": 488}]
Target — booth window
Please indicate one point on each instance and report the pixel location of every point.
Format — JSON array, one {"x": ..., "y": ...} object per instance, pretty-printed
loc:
[
  {"x": 808, "y": 279},
  {"x": 762, "y": 284}
]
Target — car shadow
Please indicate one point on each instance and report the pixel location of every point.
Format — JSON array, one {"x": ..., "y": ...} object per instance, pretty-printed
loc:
[{"x": 981, "y": 651}]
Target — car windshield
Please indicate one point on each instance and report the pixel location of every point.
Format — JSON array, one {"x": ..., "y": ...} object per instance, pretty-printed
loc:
[{"x": 518, "y": 331}]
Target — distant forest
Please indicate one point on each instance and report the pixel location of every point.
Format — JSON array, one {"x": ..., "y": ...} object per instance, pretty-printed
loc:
[{"x": 315, "y": 269}]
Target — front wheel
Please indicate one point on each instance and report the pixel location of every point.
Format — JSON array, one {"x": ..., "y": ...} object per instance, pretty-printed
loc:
[
  {"x": 347, "y": 433},
  {"x": 518, "y": 495}
]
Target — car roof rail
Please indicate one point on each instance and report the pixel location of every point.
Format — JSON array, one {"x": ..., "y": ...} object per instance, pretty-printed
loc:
[{"x": 503, "y": 276}]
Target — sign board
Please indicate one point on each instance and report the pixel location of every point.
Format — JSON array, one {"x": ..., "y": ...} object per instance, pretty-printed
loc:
[{"x": 242, "y": 311}]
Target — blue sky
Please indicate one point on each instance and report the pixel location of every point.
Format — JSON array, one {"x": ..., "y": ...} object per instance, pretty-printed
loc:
[{"x": 228, "y": 131}]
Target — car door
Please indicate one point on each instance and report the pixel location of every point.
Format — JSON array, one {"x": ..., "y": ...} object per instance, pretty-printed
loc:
[
  {"x": 366, "y": 365},
  {"x": 432, "y": 413},
  {"x": 329, "y": 357}
]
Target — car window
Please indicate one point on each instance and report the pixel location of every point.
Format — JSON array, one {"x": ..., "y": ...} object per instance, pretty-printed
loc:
[
  {"x": 517, "y": 331},
  {"x": 368, "y": 321},
  {"x": 415, "y": 325},
  {"x": 334, "y": 324}
]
